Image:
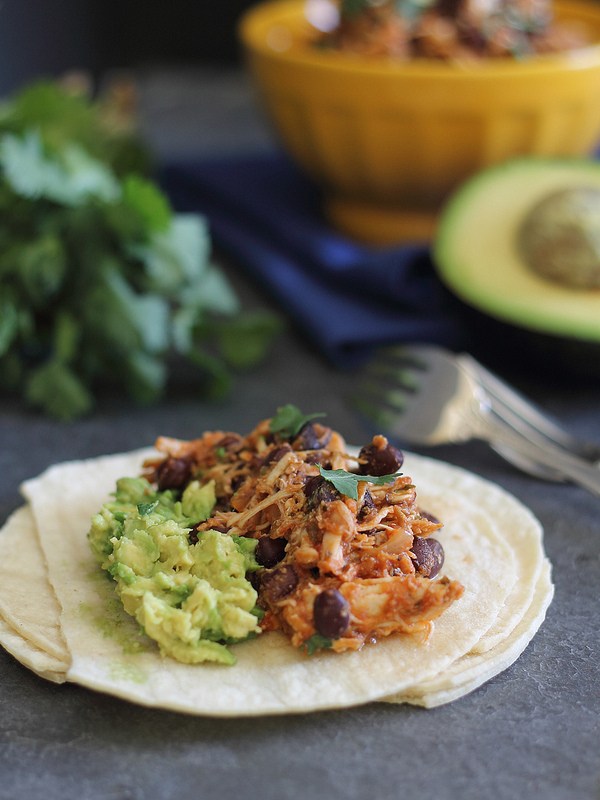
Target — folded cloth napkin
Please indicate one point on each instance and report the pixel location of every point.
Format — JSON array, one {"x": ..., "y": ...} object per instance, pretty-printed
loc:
[{"x": 345, "y": 297}]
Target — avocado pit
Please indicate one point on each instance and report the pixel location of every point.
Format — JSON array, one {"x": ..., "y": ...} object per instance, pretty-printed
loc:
[{"x": 559, "y": 238}]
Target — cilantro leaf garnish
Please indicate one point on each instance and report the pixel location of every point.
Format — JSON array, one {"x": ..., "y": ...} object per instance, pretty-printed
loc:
[
  {"x": 317, "y": 642},
  {"x": 289, "y": 420},
  {"x": 347, "y": 482}
]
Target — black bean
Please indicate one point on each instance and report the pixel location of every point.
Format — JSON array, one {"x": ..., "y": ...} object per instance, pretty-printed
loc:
[
  {"x": 380, "y": 460},
  {"x": 276, "y": 454},
  {"x": 230, "y": 439},
  {"x": 277, "y": 584},
  {"x": 429, "y": 556},
  {"x": 448, "y": 8},
  {"x": 475, "y": 38},
  {"x": 317, "y": 490},
  {"x": 253, "y": 578},
  {"x": 270, "y": 551},
  {"x": 312, "y": 437},
  {"x": 430, "y": 517},
  {"x": 367, "y": 505},
  {"x": 331, "y": 614},
  {"x": 193, "y": 537},
  {"x": 220, "y": 528},
  {"x": 236, "y": 482},
  {"x": 173, "y": 473},
  {"x": 313, "y": 457}
]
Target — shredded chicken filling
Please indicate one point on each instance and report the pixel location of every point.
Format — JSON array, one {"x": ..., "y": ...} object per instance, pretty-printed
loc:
[
  {"x": 346, "y": 571},
  {"x": 451, "y": 30}
]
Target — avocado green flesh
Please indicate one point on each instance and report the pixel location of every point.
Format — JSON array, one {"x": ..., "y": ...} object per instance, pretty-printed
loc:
[
  {"x": 477, "y": 255},
  {"x": 191, "y": 598}
]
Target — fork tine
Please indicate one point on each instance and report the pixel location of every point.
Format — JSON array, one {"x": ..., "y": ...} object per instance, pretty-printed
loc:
[
  {"x": 373, "y": 413},
  {"x": 403, "y": 365},
  {"x": 382, "y": 396},
  {"x": 394, "y": 398},
  {"x": 383, "y": 374},
  {"x": 400, "y": 356},
  {"x": 388, "y": 389}
]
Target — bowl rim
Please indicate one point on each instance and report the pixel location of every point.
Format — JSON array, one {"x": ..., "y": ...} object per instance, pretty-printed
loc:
[{"x": 268, "y": 13}]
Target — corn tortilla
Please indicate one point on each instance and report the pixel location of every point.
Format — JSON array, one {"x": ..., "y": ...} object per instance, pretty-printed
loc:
[
  {"x": 472, "y": 670},
  {"x": 28, "y": 604}
]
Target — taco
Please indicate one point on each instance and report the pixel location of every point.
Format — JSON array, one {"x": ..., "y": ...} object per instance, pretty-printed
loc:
[{"x": 422, "y": 632}]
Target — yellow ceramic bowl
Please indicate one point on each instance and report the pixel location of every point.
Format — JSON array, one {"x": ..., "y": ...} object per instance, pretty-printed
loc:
[{"x": 389, "y": 141}]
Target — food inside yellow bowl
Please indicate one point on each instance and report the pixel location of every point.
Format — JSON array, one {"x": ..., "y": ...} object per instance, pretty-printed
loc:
[{"x": 453, "y": 30}]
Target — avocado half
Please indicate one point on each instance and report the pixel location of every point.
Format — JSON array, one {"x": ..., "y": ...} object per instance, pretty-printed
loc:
[{"x": 477, "y": 256}]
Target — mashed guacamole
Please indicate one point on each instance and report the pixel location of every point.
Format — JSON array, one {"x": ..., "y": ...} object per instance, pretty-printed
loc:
[{"x": 188, "y": 590}]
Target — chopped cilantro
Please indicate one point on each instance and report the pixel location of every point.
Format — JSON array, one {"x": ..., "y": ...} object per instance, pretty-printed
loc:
[
  {"x": 146, "y": 508},
  {"x": 289, "y": 420},
  {"x": 317, "y": 642},
  {"x": 353, "y": 8},
  {"x": 347, "y": 482}
]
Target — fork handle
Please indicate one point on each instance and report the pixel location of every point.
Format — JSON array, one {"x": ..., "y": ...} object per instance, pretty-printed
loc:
[
  {"x": 521, "y": 413},
  {"x": 549, "y": 455}
]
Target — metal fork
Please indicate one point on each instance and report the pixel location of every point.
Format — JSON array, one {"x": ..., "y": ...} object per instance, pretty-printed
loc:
[{"x": 426, "y": 395}]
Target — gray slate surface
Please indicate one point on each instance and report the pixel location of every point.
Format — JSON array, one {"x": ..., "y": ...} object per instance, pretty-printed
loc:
[{"x": 532, "y": 732}]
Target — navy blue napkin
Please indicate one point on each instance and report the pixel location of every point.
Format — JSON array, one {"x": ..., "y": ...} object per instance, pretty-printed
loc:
[{"x": 345, "y": 297}]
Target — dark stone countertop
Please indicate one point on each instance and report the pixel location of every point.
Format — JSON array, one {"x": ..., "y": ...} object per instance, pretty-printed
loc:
[{"x": 532, "y": 732}]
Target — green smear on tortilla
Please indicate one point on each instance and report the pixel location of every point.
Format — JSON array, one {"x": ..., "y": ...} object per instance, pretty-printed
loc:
[
  {"x": 126, "y": 671},
  {"x": 108, "y": 618}
]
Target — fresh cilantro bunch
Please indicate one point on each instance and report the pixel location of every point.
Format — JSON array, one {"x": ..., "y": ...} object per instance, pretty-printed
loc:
[{"x": 100, "y": 282}]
